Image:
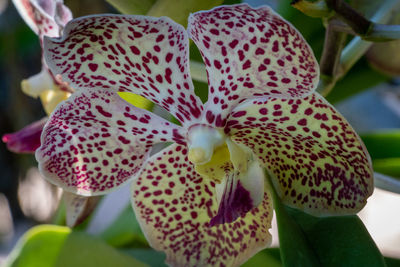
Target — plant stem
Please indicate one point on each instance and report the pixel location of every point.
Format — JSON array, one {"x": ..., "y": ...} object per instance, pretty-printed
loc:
[
  {"x": 376, "y": 33},
  {"x": 367, "y": 29},
  {"x": 356, "y": 48},
  {"x": 333, "y": 45},
  {"x": 382, "y": 14},
  {"x": 340, "y": 26},
  {"x": 351, "y": 54},
  {"x": 354, "y": 19},
  {"x": 382, "y": 32}
]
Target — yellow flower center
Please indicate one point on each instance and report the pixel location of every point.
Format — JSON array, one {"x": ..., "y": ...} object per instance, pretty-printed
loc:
[
  {"x": 214, "y": 154},
  {"x": 218, "y": 166}
]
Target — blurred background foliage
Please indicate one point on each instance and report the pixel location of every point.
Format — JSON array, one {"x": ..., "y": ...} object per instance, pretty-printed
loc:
[{"x": 123, "y": 241}]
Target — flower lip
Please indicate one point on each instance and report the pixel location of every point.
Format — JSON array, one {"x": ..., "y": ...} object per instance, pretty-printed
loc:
[{"x": 239, "y": 193}]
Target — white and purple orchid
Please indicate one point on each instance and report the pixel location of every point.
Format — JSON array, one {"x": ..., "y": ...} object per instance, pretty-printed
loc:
[
  {"x": 45, "y": 18},
  {"x": 202, "y": 200}
]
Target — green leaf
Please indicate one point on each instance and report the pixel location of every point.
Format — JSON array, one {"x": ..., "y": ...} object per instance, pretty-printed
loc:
[
  {"x": 391, "y": 262},
  {"x": 40, "y": 246},
  {"x": 384, "y": 148},
  {"x": 267, "y": 257},
  {"x": 136, "y": 7},
  {"x": 201, "y": 90},
  {"x": 388, "y": 166},
  {"x": 382, "y": 145},
  {"x": 56, "y": 246},
  {"x": 295, "y": 248},
  {"x": 231, "y": 2},
  {"x": 125, "y": 230},
  {"x": 338, "y": 241},
  {"x": 151, "y": 257},
  {"x": 306, "y": 240}
]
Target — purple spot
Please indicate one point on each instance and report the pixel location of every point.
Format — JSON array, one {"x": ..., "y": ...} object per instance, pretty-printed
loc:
[
  {"x": 168, "y": 57},
  {"x": 135, "y": 50},
  {"x": 246, "y": 65},
  {"x": 233, "y": 44},
  {"x": 93, "y": 67},
  {"x": 260, "y": 51},
  {"x": 103, "y": 112}
]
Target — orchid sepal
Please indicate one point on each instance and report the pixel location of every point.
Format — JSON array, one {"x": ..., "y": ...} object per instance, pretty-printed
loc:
[
  {"x": 26, "y": 140},
  {"x": 142, "y": 60},
  {"x": 250, "y": 52},
  {"x": 78, "y": 208}
]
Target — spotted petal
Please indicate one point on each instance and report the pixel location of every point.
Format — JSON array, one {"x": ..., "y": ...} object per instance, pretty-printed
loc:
[
  {"x": 44, "y": 17},
  {"x": 144, "y": 55},
  {"x": 95, "y": 141},
  {"x": 251, "y": 52},
  {"x": 26, "y": 10},
  {"x": 317, "y": 162},
  {"x": 174, "y": 206}
]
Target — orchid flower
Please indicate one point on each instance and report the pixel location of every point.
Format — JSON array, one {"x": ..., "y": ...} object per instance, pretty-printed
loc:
[
  {"x": 48, "y": 18},
  {"x": 203, "y": 199},
  {"x": 45, "y": 18}
]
